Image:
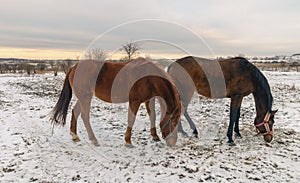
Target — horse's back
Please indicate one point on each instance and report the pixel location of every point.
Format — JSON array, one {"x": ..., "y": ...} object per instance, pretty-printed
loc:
[
  {"x": 238, "y": 76},
  {"x": 217, "y": 79},
  {"x": 117, "y": 79},
  {"x": 113, "y": 81},
  {"x": 83, "y": 76}
]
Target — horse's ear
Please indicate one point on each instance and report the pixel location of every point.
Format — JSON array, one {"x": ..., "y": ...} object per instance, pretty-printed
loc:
[{"x": 274, "y": 112}]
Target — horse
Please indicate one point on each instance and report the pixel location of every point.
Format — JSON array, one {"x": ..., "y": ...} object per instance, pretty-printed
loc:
[
  {"x": 135, "y": 82},
  {"x": 233, "y": 78}
]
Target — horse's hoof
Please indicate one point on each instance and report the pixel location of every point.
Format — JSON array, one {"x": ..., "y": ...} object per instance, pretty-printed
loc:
[
  {"x": 156, "y": 139},
  {"x": 76, "y": 139},
  {"x": 238, "y": 136},
  {"x": 195, "y": 133},
  {"x": 231, "y": 144},
  {"x": 95, "y": 143},
  {"x": 129, "y": 145}
]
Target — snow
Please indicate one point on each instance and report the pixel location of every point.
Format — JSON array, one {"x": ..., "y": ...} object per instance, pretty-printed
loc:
[{"x": 31, "y": 151}]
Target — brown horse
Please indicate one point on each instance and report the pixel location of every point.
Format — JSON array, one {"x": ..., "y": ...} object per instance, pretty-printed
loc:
[
  {"x": 233, "y": 78},
  {"x": 135, "y": 82}
]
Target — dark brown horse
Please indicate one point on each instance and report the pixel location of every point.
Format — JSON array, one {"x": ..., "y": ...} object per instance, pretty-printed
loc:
[
  {"x": 233, "y": 78},
  {"x": 135, "y": 82}
]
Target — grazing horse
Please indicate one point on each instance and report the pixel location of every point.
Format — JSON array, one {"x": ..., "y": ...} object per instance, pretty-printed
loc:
[
  {"x": 135, "y": 82},
  {"x": 232, "y": 78}
]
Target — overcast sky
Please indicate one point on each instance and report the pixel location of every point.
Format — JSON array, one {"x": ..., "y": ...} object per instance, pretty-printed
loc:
[{"x": 37, "y": 29}]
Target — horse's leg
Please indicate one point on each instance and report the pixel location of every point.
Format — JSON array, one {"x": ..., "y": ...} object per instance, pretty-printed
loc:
[
  {"x": 73, "y": 128},
  {"x": 132, "y": 110},
  {"x": 85, "y": 104},
  {"x": 180, "y": 129},
  {"x": 236, "y": 124},
  {"x": 234, "y": 108},
  {"x": 191, "y": 123},
  {"x": 150, "y": 106}
]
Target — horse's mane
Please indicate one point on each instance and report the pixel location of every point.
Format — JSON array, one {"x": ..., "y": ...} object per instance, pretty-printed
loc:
[
  {"x": 168, "y": 68},
  {"x": 171, "y": 65},
  {"x": 260, "y": 78}
]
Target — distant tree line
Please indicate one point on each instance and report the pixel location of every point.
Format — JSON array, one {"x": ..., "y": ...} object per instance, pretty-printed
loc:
[
  {"x": 279, "y": 66},
  {"x": 15, "y": 65},
  {"x": 33, "y": 67},
  {"x": 131, "y": 50}
]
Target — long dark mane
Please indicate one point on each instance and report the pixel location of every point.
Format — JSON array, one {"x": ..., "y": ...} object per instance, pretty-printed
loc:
[{"x": 260, "y": 79}]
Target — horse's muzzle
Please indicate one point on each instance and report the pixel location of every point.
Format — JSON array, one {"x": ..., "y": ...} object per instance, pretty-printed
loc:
[
  {"x": 171, "y": 140},
  {"x": 268, "y": 137}
]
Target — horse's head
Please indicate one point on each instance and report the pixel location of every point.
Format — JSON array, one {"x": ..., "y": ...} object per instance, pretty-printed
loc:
[
  {"x": 265, "y": 127},
  {"x": 170, "y": 127}
]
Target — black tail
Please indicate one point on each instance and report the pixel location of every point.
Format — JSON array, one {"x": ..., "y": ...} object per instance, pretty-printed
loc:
[
  {"x": 169, "y": 67},
  {"x": 59, "y": 113}
]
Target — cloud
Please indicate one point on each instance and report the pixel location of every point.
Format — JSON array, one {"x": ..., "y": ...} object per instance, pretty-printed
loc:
[
  {"x": 231, "y": 27},
  {"x": 41, "y": 37}
]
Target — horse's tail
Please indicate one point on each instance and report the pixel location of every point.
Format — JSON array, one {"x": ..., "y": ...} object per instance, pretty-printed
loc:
[
  {"x": 256, "y": 73},
  {"x": 169, "y": 67},
  {"x": 60, "y": 110}
]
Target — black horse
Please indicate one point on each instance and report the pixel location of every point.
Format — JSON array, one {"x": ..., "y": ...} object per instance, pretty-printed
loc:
[{"x": 234, "y": 78}]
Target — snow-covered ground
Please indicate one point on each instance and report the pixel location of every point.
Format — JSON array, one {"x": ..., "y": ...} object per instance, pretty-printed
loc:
[{"x": 31, "y": 152}]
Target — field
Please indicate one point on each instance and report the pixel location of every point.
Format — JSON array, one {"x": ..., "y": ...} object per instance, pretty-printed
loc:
[{"x": 32, "y": 151}]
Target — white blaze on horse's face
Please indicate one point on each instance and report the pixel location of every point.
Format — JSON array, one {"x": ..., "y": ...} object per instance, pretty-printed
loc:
[
  {"x": 169, "y": 130},
  {"x": 172, "y": 137}
]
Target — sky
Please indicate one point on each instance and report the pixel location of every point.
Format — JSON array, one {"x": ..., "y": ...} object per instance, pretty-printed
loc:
[{"x": 63, "y": 29}]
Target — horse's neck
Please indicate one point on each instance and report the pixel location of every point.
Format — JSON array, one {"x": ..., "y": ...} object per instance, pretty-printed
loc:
[{"x": 261, "y": 105}]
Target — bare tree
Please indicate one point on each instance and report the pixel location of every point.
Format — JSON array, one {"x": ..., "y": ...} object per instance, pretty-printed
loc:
[
  {"x": 130, "y": 49},
  {"x": 41, "y": 67},
  {"x": 13, "y": 68},
  {"x": 4, "y": 68},
  {"x": 95, "y": 54},
  {"x": 54, "y": 67},
  {"x": 28, "y": 68},
  {"x": 1, "y": 68},
  {"x": 77, "y": 57},
  {"x": 66, "y": 65}
]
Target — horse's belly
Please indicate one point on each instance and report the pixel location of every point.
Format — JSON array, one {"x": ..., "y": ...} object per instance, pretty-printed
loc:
[{"x": 111, "y": 97}]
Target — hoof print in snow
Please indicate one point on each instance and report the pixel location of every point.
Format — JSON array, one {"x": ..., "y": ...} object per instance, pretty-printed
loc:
[
  {"x": 7, "y": 170},
  {"x": 181, "y": 176},
  {"x": 32, "y": 179},
  {"x": 76, "y": 178}
]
